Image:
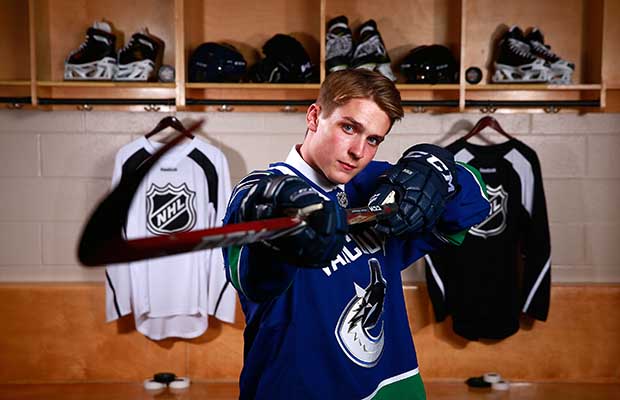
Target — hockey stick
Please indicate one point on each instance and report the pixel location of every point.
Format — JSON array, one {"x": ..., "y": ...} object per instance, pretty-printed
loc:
[{"x": 102, "y": 240}]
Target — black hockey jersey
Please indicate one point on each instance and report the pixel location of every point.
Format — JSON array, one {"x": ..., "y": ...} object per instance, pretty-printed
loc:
[{"x": 503, "y": 267}]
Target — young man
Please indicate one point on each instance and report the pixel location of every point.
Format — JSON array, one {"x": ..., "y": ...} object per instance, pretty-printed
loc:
[{"x": 324, "y": 307}]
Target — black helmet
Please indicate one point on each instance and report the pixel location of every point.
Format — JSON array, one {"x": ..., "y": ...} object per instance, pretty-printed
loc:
[
  {"x": 430, "y": 64},
  {"x": 215, "y": 62},
  {"x": 286, "y": 61}
]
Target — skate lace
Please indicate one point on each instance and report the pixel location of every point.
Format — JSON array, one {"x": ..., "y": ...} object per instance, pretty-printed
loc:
[
  {"x": 82, "y": 46},
  {"x": 520, "y": 48},
  {"x": 544, "y": 50},
  {"x": 129, "y": 44},
  {"x": 338, "y": 44},
  {"x": 372, "y": 45}
]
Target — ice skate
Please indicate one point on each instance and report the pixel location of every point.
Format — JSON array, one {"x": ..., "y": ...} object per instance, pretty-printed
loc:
[
  {"x": 339, "y": 44},
  {"x": 140, "y": 57},
  {"x": 561, "y": 70},
  {"x": 516, "y": 63},
  {"x": 95, "y": 59},
  {"x": 370, "y": 52}
]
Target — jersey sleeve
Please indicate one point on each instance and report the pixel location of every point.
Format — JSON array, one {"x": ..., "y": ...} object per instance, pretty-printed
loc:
[
  {"x": 253, "y": 269},
  {"x": 536, "y": 247},
  {"x": 469, "y": 207},
  {"x": 222, "y": 299}
]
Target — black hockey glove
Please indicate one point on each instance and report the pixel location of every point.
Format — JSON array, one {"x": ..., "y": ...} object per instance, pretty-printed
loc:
[
  {"x": 420, "y": 183},
  {"x": 313, "y": 245}
]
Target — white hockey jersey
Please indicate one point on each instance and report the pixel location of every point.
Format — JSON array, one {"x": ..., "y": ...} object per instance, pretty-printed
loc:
[{"x": 186, "y": 190}]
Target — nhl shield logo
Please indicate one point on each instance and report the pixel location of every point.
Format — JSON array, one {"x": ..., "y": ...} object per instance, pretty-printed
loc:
[
  {"x": 495, "y": 223},
  {"x": 170, "y": 209},
  {"x": 343, "y": 201}
]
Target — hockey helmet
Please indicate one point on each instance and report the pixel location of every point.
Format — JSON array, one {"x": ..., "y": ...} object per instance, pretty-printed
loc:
[
  {"x": 430, "y": 64},
  {"x": 286, "y": 61},
  {"x": 216, "y": 62}
]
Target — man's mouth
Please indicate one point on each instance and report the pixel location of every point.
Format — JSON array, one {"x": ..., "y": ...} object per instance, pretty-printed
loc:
[{"x": 347, "y": 166}]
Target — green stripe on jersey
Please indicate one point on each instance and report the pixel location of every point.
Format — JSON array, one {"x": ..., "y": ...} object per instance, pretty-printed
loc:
[
  {"x": 234, "y": 256},
  {"x": 474, "y": 171},
  {"x": 405, "y": 386},
  {"x": 458, "y": 237},
  {"x": 455, "y": 238}
]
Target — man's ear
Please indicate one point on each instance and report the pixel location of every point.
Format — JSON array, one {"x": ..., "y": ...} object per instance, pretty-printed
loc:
[{"x": 312, "y": 117}]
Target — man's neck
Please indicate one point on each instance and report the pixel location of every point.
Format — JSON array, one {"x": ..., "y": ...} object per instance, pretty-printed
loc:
[{"x": 303, "y": 154}]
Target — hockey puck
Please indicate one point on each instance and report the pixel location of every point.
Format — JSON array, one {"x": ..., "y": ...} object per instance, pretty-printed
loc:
[
  {"x": 492, "y": 377},
  {"x": 164, "y": 377},
  {"x": 473, "y": 75},
  {"x": 500, "y": 385},
  {"x": 477, "y": 382},
  {"x": 150, "y": 384},
  {"x": 166, "y": 73},
  {"x": 180, "y": 383}
]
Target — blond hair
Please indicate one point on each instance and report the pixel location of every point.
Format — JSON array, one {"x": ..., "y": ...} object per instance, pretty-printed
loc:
[{"x": 341, "y": 86}]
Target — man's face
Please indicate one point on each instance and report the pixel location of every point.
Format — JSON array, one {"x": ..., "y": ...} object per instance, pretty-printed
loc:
[{"x": 341, "y": 145}]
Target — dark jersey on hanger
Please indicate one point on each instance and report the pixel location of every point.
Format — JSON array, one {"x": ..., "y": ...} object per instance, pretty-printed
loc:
[{"x": 503, "y": 267}]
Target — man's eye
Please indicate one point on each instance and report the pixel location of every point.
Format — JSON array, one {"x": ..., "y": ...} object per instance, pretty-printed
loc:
[
  {"x": 347, "y": 128},
  {"x": 373, "y": 141}
]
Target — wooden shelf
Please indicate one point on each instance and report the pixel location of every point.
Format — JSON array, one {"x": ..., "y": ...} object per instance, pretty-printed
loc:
[
  {"x": 15, "y": 83},
  {"x": 105, "y": 90},
  {"x": 550, "y": 97},
  {"x": 532, "y": 87},
  {"x": 252, "y": 92},
  {"x": 253, "y": 86},
  {"x": 14, "y": 89},
  {"x": 41, "y": 33}
]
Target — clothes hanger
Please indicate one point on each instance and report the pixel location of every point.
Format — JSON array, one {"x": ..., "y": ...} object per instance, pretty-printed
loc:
[
  {"x": 487, "y": 122},
  {"x": 170, "y": 122}
]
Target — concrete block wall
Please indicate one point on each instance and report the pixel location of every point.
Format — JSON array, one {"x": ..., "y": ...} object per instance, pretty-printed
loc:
[{"x": 54, "y": 166}]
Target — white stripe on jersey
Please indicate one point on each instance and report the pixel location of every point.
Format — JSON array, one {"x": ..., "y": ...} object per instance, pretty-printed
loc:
[
  {"x": 436, "y": 276},
  {"x": 542, "y": 274},
  {"x": 526, "y": 175}
]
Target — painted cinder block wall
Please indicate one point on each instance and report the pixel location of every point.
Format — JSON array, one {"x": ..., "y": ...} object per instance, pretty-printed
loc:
[{"x": 54, "y": 166}]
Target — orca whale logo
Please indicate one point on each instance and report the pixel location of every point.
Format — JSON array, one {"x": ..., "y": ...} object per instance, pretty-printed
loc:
[{"x": 360, "y": 327}]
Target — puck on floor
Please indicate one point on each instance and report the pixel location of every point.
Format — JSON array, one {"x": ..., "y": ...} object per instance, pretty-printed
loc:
[
  {"x": 180, "y": 383},
  {"x": 477, "y": 382},
  {"x": 492, "y": 377},
  {"x": 150, "y": 384},
  {"x": 500, "y": 385},
  {"x": 164, "y": 377}
]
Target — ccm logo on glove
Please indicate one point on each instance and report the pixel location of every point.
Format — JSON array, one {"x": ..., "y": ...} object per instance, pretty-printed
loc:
[
  {"x": 421, "y": 182},
  {"x": 435, "y": 162}
]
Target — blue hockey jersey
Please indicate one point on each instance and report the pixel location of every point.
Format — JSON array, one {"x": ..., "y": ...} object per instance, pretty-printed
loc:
[{"x": 340, "y": 332}]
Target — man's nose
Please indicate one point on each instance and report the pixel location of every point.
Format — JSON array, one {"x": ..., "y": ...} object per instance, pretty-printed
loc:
[{"x": 356, "y": 148}]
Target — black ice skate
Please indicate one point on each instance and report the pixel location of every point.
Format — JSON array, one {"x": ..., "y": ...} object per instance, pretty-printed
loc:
[
  {"x": 339, "y": 44},
  {"x": 370, "y": 52},
  {"x": 137, "y": 61},
  {"x": 516, "y": 63},
  {"x": 95, "y": 59},
  {"x": 561, "y": 70}
]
